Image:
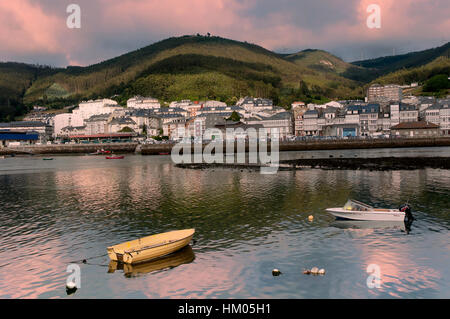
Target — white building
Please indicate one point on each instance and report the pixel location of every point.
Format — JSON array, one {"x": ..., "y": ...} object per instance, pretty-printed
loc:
[
  {"x": 439, "y": 114},
  {"x": 64, "y": 120},
  {"x": 255, "y": 105},
  {"x": 408, "y": 113},
  {"x": 280, "y": 124},
  {"x": 139, "y": 102},
  {"x": 310, "y": 123},
  {"x": 86, "y": 109},
  {"x": 379, "y": 93}
]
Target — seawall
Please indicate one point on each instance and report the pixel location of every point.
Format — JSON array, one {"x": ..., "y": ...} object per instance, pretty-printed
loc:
[
  {"x": 156, "y": 149},
  {"x": 69, "y": 148}
]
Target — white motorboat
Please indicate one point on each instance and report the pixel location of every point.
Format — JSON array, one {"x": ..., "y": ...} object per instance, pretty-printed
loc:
[{"x": 355, "y": 210}]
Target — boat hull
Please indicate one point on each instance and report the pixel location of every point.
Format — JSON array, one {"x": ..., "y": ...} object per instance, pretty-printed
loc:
[
  {"x": 151, "y": 247},
  {"x": 375, "y": 215}
]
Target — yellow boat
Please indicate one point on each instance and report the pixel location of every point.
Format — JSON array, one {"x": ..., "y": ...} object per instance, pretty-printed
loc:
[
  {"x": 150, "y": 247},
  {"x": 184, "y": 256}
]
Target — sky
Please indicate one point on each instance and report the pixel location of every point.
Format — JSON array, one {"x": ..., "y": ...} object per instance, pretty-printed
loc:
[{"x": 35, "y": 31}]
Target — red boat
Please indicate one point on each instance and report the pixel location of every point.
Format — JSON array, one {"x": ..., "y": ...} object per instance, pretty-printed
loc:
[
  {"x": 115, "y": 157},
  {"x": 163, "y": 153}
]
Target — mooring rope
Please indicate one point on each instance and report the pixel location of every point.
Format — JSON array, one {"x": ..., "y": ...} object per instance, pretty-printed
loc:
[{"x": 84, "y": 261}]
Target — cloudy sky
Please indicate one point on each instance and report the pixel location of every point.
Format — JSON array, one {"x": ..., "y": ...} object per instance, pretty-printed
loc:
[{"x": 35, "y": 31}]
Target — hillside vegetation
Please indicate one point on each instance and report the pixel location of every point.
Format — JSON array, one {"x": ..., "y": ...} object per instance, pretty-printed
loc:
[
  {"x": 205, "y": 67},
  {"x": 191, "y": 59}
]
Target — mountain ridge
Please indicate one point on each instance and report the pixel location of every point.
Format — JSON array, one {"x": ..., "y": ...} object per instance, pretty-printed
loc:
[{"x": 198, "y": 67}]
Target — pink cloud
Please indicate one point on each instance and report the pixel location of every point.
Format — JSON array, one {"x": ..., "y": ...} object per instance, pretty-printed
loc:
[
  {"x": 112, "y": 27},
  {"x": 26, "y": 27}
]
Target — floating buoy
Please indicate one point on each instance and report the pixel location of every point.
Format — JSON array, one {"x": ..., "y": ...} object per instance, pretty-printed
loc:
[
  {"x": 71, "y": 287},
  {"x": 314, "y": 270},
  {"x": 306, "y": 271},
  {"x": 84, "y": 261},
  {"x": 276, "y": 272},
  {"x": 310, "y": 218},
  {"x": 322, "y": 271}
]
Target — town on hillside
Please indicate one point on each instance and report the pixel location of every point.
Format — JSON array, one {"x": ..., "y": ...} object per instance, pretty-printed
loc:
[{"x": 385, "y": 113}]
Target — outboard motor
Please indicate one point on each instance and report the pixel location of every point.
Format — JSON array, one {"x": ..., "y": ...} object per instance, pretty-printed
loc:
[{"x": 407, "y": 210}]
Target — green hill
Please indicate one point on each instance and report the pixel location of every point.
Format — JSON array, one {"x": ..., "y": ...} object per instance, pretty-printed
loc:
[
  {"x": 15, "y": 79},
  {"x": 440, "y": 65},
  {"x": 242, "y": 67},
  {"x": 410, "y": 60},
  {"x": 203, "y": 67}
]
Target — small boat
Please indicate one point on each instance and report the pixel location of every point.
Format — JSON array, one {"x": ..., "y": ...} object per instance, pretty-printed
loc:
[
  {"x": 115, "y": 157},
  {"x": 150, "y": 247},
  {"x": 100, "y": 152},
  {"x": 355, "y": 210},
  {"x": 47, "y": 159},
  {"x": 183, "y": 256},
  {"x": 164, "y": 153}
]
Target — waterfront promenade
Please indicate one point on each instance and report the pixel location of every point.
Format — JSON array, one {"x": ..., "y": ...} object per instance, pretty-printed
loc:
[{"x": 156, "y": 149}]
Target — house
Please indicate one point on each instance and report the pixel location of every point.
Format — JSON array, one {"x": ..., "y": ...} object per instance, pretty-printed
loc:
[
  {"x": 240, "y": 129},
  {"x": 120, "y": 124},
  {"x": 72, "y": 130},
  {"x": 97, "y": 124},
  {"x": 408, "y": 113},
  {"x": 255, "y": 105},
  {"x": 279, "y": 124},
  {"x": 352, "y": 114},
  {"x": 439, "y": 114},
  {"x": 310, "y": 123},
  {"x": 368, "y": 119},
  {"x": 416, "y": 129}
]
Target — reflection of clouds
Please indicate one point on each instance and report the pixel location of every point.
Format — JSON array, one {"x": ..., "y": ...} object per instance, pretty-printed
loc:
[
  {"x": 189, "y": 280},
  {"x": 400, "y": 275},
  {"x": 35, "y": 273}
]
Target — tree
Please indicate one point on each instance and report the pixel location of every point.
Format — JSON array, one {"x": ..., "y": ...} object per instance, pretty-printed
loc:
[
  {"x": 234, "y": 117},
  {"x": 303, "y": 88},
  {"x": 126, "y": 129},
  {"x": 437, "y": 83}
]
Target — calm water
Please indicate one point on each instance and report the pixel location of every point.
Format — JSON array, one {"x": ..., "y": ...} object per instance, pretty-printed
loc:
[{"x": 55, "y": 212}]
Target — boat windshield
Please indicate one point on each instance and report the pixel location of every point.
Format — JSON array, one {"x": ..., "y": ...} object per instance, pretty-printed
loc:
[{"x": 355, "y": 205}]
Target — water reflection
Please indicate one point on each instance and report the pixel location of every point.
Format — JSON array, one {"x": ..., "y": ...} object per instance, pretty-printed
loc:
[
  {"x": 246, "y": 225},
  {"x": 345, "y": 224},
  {"x": 184, "y": 256}
]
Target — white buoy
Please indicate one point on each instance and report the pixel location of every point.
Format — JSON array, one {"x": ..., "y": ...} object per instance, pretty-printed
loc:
[
  {"x": 71, "y": 287},
  {"x": 314, "y": 270},
  {"x": 310, "y": 218},
  {"x": 276, "y": 272},
  {"x": 322, "y": 271}
]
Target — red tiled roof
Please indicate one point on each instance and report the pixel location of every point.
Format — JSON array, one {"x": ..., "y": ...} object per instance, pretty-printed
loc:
[{"x": 414, "y": 125}]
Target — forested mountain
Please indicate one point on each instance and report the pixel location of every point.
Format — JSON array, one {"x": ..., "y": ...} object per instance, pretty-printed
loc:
[{"x": 199, "y": 67}]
